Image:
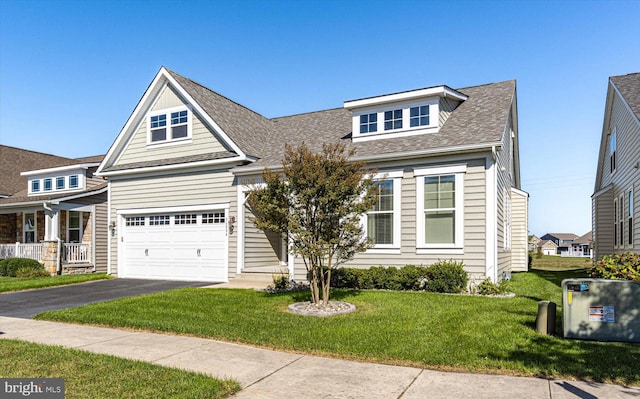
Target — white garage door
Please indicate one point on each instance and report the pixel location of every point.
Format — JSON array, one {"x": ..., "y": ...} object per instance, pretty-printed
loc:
[{"x": 176, "y": 246}]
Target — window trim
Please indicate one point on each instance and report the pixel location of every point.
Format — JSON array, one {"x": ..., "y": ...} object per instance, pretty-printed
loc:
[
  {"x": 615, "y": 222},
  {"x": 168, "y": 137},
  {"x": 407, "y": 130},
  {"x": 458, "y": 171},
  {"x": 79, "y": 228},
  {"x": 630, "y": 240},
  {"x": 396, "y": 178},
  {"x": 613, "y": 147}
]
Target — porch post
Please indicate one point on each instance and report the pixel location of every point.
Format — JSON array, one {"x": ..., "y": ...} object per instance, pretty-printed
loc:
[{"x": 51, "y": 224}]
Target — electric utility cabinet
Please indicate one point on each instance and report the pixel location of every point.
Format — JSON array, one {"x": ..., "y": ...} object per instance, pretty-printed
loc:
[{"x": 602, "y": 310}]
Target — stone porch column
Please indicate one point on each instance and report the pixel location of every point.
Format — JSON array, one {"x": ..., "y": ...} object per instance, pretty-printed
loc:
[{"x": 50, "y": 256}]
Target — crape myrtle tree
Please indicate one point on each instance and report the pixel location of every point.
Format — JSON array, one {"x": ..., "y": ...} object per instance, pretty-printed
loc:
[{"x": 316, "y": 202}]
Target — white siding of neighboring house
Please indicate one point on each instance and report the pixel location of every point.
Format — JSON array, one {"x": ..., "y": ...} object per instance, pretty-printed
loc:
[
  {"x": 203, "y": 141},
  {"x": 474, "y": 223},
  {"x": 624, "y": 178},
  {"x": 519, "y": 230},
  {"x": 183, "y": 189}
]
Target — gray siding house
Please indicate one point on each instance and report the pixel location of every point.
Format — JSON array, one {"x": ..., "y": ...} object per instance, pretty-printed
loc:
[
  {"x": 54, "y": 210},
  {"x": 180, "y": 171},
  {"x": 615, "y": 202}
]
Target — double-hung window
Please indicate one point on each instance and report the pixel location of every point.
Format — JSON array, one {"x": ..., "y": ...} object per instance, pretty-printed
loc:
[
  {"x": 440, "y": 207},
  {"x": 612, "y": 150},
  {"x": 169, "y": 125},
  {"x": 630, "y": 217},
  {"x": 74, "y": 226},
  {"x": 383, "y": 220},
  {"x": 615, "y": 222}
]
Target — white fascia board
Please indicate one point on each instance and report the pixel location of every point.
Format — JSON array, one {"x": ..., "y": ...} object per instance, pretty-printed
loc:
[
  {"x": 391, "y": 156},
  {"x": 83, "y": 166},
  {"x": 600, "y": 192},
  {"x": 519, "y": 192},
  {"x": 440, "y": 91},
  {"x": 173, "y": 209},
  {"x": 164, "y": 168}
]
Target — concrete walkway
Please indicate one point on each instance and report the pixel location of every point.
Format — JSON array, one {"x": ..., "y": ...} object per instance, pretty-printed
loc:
[{"x": 270, "y": 374}]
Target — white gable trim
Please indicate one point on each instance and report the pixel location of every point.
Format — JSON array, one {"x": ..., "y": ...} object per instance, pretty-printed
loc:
[{"x": 159, "y": 82}]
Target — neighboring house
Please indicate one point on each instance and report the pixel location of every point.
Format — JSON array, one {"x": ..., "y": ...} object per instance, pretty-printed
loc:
[
  {"x": 547, "y": 247},
  {"x": 53, "y": 210},
  {"x": 580, "y": 247},
  {"x": 616, "y": 201},
  {"x": 533, "y": 242},
  {"x": 562, "y": 240},
  {"x": 180, "y": 170}
]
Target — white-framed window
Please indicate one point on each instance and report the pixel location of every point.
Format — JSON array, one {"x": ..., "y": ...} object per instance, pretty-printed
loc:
[
  {"x": 169, "y": 125},
  {"x": 190, "y": 218},
  {"x": 30, "y": 227},
  {"x": 213, "y": 218},
  {"x": 369, "y": 123},
  {"x": 74, "y": 226},
  {"x": 382, "y": 222},
  {"x": 612, "y": 150},
  {"x": 35, "y": 186},
  {"x": 73, "y": 181},
  {"x": 159, "y": 220},
  {"x": 621, "y": 221},
  {"x": 440, "y": 207},
  {"x": 60, "y": 183},
  {"x": 615, "y": 222},
  {"x": 48, "y": 184},
  {"x": 630, "y": 217},
  {"x": 419, "y": 116},
  {"x": 134, "y": 221},
  {"x": 393, "y": 119}
]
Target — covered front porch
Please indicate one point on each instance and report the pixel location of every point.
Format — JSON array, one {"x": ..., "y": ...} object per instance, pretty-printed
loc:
[{"x": 60, "y": 237}]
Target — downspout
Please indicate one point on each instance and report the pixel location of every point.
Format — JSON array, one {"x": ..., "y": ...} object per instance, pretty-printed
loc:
[{"x": 57, "y": 238}]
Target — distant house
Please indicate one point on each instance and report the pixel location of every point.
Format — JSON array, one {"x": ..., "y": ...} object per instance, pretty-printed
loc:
[
  {"x": 581, "y": 246},
  {"x": 533, "y": 242},
  {"x": 53, "y": 209},
  {"x": 615, "y": 201},
  {"x": 547, "y": 247},
  {"x": 562, "y": 240}
]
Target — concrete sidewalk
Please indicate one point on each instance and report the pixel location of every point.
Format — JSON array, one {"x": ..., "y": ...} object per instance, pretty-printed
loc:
[{"x": 270, "y": 374}]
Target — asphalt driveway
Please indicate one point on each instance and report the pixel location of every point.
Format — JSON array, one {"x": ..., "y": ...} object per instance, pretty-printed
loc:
[{"x": 26, "y": 304}]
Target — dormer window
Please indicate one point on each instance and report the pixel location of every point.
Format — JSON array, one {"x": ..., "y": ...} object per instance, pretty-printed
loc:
[
  {"x": 393, "y": 119},
  {"x": 47, "y": 185},
  {"x": 59, "y": 183},
  {"x": 369, "y": 123},
  {"x": 35, "y": 186},
  {"x": 401, "y": 114},
  {"x": 169, "y": 125},
  {"x": 73, "y": 181}
]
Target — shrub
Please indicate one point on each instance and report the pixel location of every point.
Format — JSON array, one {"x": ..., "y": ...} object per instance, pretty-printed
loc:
[
  {"x": 624, "y": 266},
  {"x": 489, "y": 288},
  {"x": 9, "y": 266},
  {"x": 447, "y": 276},
  {"x": 281, "y": 281},
  {"x": 408, "y": 277},
  {"x": 30, "y": 272}
]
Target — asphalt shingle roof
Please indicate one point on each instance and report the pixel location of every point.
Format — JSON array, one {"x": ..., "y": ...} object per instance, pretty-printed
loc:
[{"x": 629, "y": 87}]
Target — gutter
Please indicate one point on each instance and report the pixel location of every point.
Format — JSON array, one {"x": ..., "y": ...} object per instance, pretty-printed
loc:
[{"x": 493, "y": 146}]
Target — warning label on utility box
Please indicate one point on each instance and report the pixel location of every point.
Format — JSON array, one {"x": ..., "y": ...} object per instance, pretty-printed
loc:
[{"x": 602, "y": 313}]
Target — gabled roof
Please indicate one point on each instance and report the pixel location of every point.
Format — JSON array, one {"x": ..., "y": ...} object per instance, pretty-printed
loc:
[
  {"x": 543, "y": 243},
  {"x": 629, "y": 88},
  {"x": 586, "y": 238},
  {"x": 479, "y": 122},
  {"x": 563, "y": 236}
]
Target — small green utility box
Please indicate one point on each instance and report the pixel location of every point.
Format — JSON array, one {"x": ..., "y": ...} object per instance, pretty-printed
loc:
[{"x": 602, "y": 310}]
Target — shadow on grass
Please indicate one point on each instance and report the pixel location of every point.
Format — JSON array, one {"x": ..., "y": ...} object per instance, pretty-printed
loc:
[
  {"x": 588, "y": 360},
  {"x": 556, "y": 277},
  {"x": 305, "y": 295}
]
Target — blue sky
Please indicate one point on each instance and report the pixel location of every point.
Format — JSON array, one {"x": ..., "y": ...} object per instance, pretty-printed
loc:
[{"x": 71, "y": 72}]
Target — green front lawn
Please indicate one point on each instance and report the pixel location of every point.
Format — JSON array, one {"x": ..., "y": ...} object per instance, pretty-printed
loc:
[
  {"x": 89, "y": 375},
  {"x": 429, "y": 330},
  {"x": 26, "y": 283}
]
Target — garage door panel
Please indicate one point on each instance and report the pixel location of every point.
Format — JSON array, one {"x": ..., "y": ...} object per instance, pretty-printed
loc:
[{"x": 194, "y": 251}]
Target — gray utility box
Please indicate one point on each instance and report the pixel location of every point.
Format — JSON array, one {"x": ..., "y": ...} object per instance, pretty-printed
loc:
[{"x": 602, "y": 310}]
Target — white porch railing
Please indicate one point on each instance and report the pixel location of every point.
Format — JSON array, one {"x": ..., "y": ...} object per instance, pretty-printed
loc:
[
  {"x": 18, "y": 250},
  {"x": 77, "y": 253}
]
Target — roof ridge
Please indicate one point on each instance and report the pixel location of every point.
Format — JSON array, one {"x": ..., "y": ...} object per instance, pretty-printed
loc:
[{"x": 486, "y": 84}]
